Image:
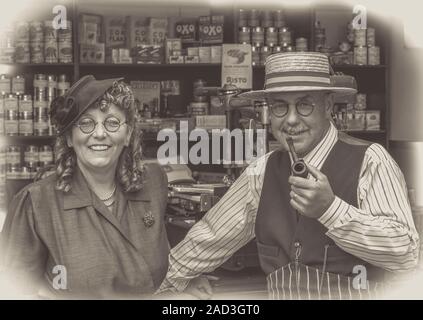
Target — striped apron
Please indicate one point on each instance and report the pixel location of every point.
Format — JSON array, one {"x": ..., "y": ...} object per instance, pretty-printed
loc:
[{"x": 296, "y": 281}]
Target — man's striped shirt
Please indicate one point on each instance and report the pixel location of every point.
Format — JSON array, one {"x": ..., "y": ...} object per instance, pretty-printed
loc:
[{"x": 380, "y": 231}]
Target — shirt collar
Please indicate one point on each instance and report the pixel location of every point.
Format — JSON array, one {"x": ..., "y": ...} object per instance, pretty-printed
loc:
[{"x": 80, "y": 194}]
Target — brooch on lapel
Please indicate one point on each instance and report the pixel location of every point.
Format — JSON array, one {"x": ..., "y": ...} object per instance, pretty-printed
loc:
[{"x": 148, "y": 219}]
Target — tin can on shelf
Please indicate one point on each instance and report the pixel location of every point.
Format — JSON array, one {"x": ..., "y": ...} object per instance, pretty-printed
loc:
[
  {"x": 360, "y": 37},
  {"x": 25, "y": 103},
  {"x": 31, "y": 156},
  {"x": 36, "y": 31},
  {"x": 257, "y": 37},
  {"x": 22, "y": 52},
  {"x": 254, "y": 18},
  {"x": 13, "y": 156},
  {"x": 46, "y": 155},
  {"x": 50, "y": 33},
  {"x": 264, "y": 53},
  {"x": 11, "y": 123},
  {"x": 51, "y": 87},
  {"x": 22, "y": 31},
  {"x": 40, "y": 107},
  {"x": 51, "y": 54},
  {"x": 371, "y": 37},
  {"x": 41, "y": 125},
  {"x": 361, "y": 101},
  {"x": 26, "y": 123},
  {"x": 4, "y": 84},
  {"x": 13, "y": 173},
  {"x": 255, "y": 56},
  {"x": 301, "y": 44},
  {"x": 279, "y": 19},
  {"x": 374, "y": 56},
  {"x": 244, "y": 35},
  {"x": 62, "y": 85},
  {"x": 242, "y": 18},
  {"x": 37, "y": 52},
  {"x": 360, "y": 55},
  {"x": 18, "y": 85},
  {"x": 284, "y": 35},
  {"x": 1, "y": 124},
  {"x": 277, "y": 49},
  {"x": 267, "y": 19},
  {"x": 11, "y": 102},
  {"x": 40, "y": 85},
  {"x": 271, "y": 37},
  {"x": 65, "y": 48}
]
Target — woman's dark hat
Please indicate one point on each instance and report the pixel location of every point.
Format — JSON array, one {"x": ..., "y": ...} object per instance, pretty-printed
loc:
[{"x": 66, "y": 109}]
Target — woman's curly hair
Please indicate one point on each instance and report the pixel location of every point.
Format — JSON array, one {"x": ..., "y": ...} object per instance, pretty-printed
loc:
[{"x": 129, "y": 172}]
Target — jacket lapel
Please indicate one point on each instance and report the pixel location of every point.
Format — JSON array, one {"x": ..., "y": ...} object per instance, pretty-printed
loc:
[{"x": 81, "y": 196}]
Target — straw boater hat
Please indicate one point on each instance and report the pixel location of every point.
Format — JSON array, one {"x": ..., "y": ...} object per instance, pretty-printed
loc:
[{"x": 301, "y": 71}]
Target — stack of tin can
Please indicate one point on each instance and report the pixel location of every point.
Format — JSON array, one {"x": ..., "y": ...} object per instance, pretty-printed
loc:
[
  {"x": 65, "y": 44},
  {"x": 2, "y": 180},
  {"x": 22, "y": 42},
  {"x": 36, "y": 41},
  {"x": 267, "y": 33},
  {"x": 41, "y": 104},
  {"x": 200, "y": 105},
  {"x": 20, "y": 114},
  {"x": 319, "y": 37},
  {"x": 50, "y": 43},
  {"x": 365, "y": 49},
  {"x": 7, "y": 46},
  {"x": 23, "y": 162}
]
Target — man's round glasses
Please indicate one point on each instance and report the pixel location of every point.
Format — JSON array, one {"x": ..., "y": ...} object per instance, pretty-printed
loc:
[
  {"x": 88, "y": 125},
  {"x": 280, "y": 108}
]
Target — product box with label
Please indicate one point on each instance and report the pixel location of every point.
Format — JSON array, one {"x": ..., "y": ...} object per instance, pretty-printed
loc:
[
  {"x": 192, "y": 51},
  {"x": 92, "y": 53},
  {"x": 191, "y": 59},
  {"x": 149, "y": 54},
  {"x": 147, "y": 94},
  {"x": 115, "y": 33},
  {"x": 211, "y": 29},
  {"x": 90, "y": 28},
  {"x": 356, "y": 120},
  {"x": 172, "y": 47},
  {"x": 176, "y": 59},
  {"x": 216, "y": 54},
  {"x": 137, "y": 31},
  {"x": 123, "y": 56},
  {"x": 372, "y": 120},
  {"x": 205, "y": 54},
  {"x": 209, "y": 122},
  {"x": 157, "y": 31},
  {"x": 186, "y": 30}
]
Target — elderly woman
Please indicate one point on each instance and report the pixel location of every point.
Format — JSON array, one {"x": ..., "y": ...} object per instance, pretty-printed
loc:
[{"x": 95, "y": 228}]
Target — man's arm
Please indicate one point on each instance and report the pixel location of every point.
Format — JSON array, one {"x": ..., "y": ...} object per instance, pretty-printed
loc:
[
  {"x": 227, "y": 227},
  {"x": 381, "y": 231}
]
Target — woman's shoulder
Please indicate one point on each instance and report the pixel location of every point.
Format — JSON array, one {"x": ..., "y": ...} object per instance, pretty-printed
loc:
[
  {"x": 155, "y": 182},
  {"x": 42, "y": 186}
]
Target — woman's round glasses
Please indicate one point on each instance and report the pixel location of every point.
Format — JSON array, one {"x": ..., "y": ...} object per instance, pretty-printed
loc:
[
  {"x": 280, "y": 108},
  {"x": 88, "y": 125}
]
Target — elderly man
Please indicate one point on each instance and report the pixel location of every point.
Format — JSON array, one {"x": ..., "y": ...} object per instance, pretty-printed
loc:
[{"x": 315, "y": 234}]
